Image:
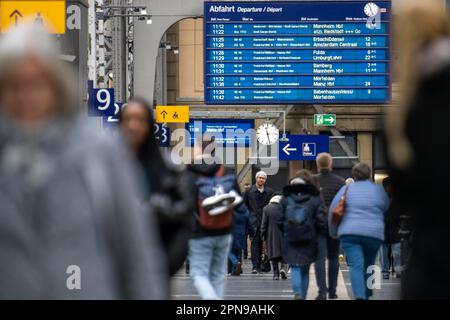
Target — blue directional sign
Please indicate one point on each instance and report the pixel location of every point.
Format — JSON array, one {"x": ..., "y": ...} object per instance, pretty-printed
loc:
[
  {"x": 225, "y": 131},
  {"x": 100, "y": 101},
  {"x": 275, "y": 52},
  {"x": 303, "y": 147}
]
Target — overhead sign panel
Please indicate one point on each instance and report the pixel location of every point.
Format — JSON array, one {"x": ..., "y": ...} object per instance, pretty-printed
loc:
[
  {"x": 49, "y": 13},
  {"x": 325, "y": 52},
  {"x": 225, "y": 131},
  {"x": 303, "y": 147}
]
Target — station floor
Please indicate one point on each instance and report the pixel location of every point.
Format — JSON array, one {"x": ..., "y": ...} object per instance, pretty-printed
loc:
[{"x": 263, "y": 287}]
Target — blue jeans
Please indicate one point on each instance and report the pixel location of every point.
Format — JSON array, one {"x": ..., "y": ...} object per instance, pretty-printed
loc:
[
  {"x": 208, "y": 264},
  {"x": 327, "y": 248},
  {"x": 234, "y": 257},
  {"x": 300, "y": 279},
  {"x": 384, "y": 257},
  {"x": 361, "y": 253}
]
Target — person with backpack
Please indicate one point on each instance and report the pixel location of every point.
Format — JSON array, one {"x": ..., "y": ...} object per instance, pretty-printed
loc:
[
  {"x": 329, "y": 248},
  {"x": 217, "y": 193},
  {"x": 256, "y": 198},
  {"x": 356, "y": 216},
  {"x": 303, "y": 221},
  {"x": 272, "y": 235},
  {"x": 241, "y": 227}
]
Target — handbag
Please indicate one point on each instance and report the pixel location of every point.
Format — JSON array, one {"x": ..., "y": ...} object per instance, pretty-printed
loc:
[{"x": 339, "y": 210}]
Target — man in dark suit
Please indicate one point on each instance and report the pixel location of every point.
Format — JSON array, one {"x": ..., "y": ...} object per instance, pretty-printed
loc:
[{"x": 256, "y": 198}]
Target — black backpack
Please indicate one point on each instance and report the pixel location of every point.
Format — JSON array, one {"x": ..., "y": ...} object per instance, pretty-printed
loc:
[{"x": 299, "y": 224}]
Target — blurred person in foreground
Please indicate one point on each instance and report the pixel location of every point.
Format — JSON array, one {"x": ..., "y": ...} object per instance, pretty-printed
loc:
[
  {"x": 330, "y": 184},
  {"x": 167, "y": 188},
  {"x": 217, "y": 194},
  {"x": 68, "y": 199},
  {"x": 417, "y": 146},
  {"x": 361, "y": 230},
  {"x": 304, "y": 220}
]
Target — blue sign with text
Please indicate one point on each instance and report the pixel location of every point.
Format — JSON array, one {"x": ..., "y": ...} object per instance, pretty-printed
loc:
[
  {"x": 225, "y": 131},
  {"x": 303, "y": 147},
  {"x": 276, "y": 52}
]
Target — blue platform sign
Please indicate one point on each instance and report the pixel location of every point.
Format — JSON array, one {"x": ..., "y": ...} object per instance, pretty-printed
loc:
[
  {"x": 111, "y": 120},
  {"x": 225, "y": 131},
  {"x": 297, "y": 52},
  {"x": 100, "y": 101},
  {"x": 303, "y": 147},
  {"x": 162, "y": 135}
]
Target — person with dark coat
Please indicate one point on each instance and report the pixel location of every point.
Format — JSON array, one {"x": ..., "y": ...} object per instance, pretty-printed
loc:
[
  {"x": 300, "y": 237},
  {"x": 329, "y": 184},
  {"x": 167, "y": 188},
  {"x": 272, "y": 235},
  {"x": 390, "y": 248},
  {"x": 417, "y": 141},
  {"x": 256, "y": 198},
  {"x": 241, "y": 227}
]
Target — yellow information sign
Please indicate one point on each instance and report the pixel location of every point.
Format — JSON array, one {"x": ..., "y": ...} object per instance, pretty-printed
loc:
[
  {"x": 49, "y": 13},
  {"x": 172, "y": 114}
]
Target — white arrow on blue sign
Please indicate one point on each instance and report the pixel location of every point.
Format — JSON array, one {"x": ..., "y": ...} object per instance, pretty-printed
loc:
[{"x": 303, "y": 147}]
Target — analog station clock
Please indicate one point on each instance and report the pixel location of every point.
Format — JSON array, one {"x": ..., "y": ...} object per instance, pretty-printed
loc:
[
  {"x": 267, "y": 134},
  {"x": 371, "y": 9}
]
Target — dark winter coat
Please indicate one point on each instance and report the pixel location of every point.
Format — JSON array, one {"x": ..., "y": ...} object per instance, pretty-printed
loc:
[
  {"x": 241, "y": 227},
  {"x": 392, "y": 223},
  {"x": 272, "y": 229},
  {"x": 305, "y": 252},
  {"x": 422, "y": 190},
  {"x": 330, "y": 184},
  {"x": 255, "y": 202}
]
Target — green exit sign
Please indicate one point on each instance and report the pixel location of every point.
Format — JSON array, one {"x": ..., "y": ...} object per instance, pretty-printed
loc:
[{"x": 324, "y": 120}]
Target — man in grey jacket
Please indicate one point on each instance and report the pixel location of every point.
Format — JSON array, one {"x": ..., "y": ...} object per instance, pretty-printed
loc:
[{"x": 71, "y": 224}]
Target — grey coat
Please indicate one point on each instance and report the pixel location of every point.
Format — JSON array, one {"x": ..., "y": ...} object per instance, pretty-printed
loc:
[
  {"x": 272, "y": 229},
  {"x": 69, "y": 197}
]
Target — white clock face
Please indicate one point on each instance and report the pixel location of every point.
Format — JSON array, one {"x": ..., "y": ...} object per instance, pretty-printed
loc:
[
  {"x": 371, "y": 9},
  {"x": 267, "y": 134}
]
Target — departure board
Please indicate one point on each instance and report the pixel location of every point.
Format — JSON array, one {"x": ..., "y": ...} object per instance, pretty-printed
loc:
[{"x": 297, "y": 52}]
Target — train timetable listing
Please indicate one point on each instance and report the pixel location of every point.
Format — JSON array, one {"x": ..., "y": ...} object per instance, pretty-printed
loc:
[{"x": 297, "y": 52}]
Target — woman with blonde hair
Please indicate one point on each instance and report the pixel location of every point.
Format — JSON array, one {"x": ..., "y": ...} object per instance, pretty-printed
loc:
[{"x": 414, "y": 134}]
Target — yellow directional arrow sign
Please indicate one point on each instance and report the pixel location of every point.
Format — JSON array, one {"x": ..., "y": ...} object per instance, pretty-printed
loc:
[
  {"x": 49, "y": 13},
  {"x": 172, "y": 114}
]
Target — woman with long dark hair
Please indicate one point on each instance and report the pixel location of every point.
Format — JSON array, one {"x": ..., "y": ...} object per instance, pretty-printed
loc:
[{"x": 167, "y": 188}]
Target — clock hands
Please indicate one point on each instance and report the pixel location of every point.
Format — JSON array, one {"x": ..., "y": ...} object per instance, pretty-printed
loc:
[{"x": 267, "y": 133}]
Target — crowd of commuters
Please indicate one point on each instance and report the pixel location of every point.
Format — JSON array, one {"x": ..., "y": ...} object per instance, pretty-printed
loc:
[{"x": 127, "y": 218}]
